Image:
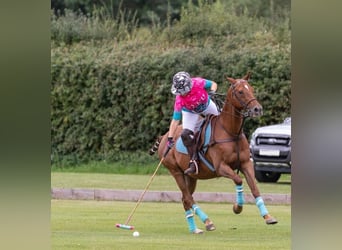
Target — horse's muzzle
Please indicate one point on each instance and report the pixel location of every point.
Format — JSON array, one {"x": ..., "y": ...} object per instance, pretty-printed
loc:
[{"x": 255, "y": 111}]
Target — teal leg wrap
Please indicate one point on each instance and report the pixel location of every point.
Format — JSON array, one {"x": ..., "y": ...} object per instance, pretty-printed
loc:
[
  {"x": 190, "y": 219},
  {"x": 261, "y": 205},
  {"x": 240, "y": 199},
  {"x": 200, "y": 213}
]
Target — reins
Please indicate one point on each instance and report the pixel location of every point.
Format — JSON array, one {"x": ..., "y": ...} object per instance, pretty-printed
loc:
[
  {"x": 243, "y": 113},
  {"x": 220, "y": 104}
]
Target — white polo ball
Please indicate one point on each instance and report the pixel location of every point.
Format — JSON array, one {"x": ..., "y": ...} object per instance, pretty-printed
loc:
[{"x": 136, "y": 234}]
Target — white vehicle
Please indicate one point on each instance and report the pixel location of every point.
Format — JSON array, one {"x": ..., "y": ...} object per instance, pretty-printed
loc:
[{"x": 270, "y": 148}]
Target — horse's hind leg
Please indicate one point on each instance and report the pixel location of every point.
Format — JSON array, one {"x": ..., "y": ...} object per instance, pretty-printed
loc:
[
  {"x": 209, "y": 225},
  {"x": 249, "y": 174}
]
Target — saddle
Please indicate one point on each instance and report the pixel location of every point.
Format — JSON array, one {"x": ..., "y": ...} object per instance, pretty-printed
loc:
[{"x": 204, "y": 132}]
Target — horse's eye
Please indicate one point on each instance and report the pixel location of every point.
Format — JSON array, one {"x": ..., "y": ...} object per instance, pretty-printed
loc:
[{"x": 240, "y": 92}]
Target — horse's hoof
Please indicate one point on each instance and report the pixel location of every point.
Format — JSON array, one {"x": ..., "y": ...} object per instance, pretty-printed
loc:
[
  {"x": 271, "y": 221},
  {"x": 197, "y": 231},
  {"x": 210, "y": 227},
  {"x": 237, "y": 209}
]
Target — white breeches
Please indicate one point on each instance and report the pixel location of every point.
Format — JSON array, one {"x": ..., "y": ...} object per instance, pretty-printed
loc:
[{"x": 192, "y": 121}]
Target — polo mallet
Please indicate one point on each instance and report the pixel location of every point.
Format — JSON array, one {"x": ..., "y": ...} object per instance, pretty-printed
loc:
[{"x": 129, "y": 227}]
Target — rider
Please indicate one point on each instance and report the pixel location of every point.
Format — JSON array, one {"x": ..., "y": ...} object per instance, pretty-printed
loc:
[{"x": 192, "y": 101}]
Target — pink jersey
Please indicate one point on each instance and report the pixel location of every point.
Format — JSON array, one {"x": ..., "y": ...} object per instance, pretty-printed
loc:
[{"x": 196, "y": 100}]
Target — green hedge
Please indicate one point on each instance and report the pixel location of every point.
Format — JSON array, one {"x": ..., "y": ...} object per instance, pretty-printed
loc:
[
  {"x": 107, "y": 102},
  {"x": 110, "y": 96}
]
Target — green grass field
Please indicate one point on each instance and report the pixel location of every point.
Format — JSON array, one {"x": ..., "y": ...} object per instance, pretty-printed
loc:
[{"x": 91, "y": 225}]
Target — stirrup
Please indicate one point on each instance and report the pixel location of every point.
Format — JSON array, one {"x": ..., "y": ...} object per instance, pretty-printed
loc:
[{"x": 193, "y": 169}]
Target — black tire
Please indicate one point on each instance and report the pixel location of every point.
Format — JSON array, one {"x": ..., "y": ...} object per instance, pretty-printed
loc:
[{"x": 267, "y": 176}]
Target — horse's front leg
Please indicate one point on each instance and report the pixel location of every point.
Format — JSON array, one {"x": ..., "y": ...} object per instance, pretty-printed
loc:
[
  {"x": 226, "y": 171},
  {"x": 248, "y": 171}
]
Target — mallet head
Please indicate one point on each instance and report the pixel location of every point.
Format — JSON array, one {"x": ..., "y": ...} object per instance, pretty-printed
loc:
[{"x": 123, "y": 226}]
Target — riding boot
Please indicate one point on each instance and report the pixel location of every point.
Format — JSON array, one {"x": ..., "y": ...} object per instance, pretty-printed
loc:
[
  {"x": 193, "y": 165},
  {"x": 189, "y": 141}
]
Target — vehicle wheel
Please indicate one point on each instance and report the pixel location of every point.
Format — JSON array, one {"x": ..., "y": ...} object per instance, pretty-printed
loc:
[{"x": 266, "y": 176}]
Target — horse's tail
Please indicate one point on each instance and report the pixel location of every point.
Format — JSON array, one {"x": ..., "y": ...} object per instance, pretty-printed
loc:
[{"x": 155, "y": 146}]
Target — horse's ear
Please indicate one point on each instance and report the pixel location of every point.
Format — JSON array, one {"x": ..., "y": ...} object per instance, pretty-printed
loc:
[
  {"x": 231, "y": 80},
  {"x": 246, "y": 77}
]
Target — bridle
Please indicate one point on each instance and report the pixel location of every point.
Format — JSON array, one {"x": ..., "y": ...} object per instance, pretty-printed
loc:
[{"x": 245, "y": 111}]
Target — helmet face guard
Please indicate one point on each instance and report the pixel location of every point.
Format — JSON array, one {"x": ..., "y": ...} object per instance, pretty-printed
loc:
[{"x": 181, "y": 83}]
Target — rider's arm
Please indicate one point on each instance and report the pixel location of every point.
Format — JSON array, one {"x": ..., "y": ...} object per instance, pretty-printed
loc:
[
  {"x": 211, "y": 86},
  {"x": 177, "y": 116},
  {"x": 173, "y": 127}
]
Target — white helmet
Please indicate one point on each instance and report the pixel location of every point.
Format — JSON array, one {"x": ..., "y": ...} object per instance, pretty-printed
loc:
[{"x": 181, "y": 83}]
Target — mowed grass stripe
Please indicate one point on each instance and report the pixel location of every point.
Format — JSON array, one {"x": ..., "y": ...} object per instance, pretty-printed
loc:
[
  {"x": 160, "y": 182},
  {"x": 91, "y": 225}
]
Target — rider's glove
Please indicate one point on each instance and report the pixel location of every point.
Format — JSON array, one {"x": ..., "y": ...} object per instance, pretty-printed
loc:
[{"x": 170, "y": 142}]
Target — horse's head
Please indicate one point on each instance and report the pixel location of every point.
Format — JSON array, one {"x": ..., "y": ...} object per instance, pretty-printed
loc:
[{"x": 241, "y": 96}]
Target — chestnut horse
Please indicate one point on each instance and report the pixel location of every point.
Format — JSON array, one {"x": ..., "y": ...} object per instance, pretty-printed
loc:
[{"x": 228, "y": 150}]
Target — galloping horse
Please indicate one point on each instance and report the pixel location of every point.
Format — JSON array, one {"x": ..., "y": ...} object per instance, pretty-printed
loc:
[{"x": 227, "y": 150}]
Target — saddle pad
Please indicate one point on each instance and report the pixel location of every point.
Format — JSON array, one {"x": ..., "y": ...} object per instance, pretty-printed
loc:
[{"x": 182, "y": 149}]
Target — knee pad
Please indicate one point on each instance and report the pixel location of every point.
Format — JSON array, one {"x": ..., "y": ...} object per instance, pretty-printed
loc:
[{"x": 188, "y": 137}]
